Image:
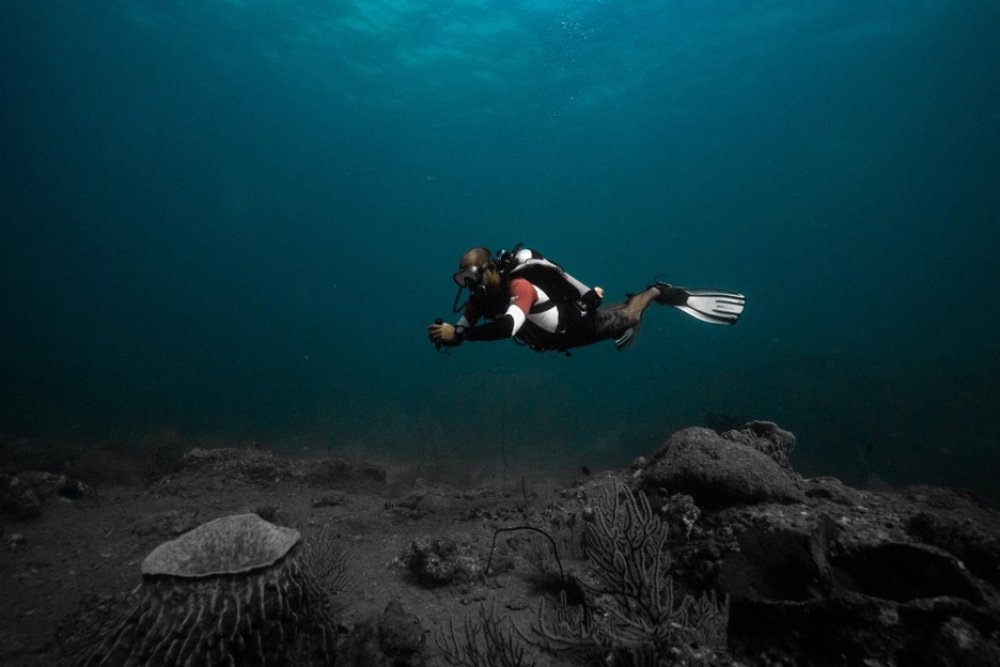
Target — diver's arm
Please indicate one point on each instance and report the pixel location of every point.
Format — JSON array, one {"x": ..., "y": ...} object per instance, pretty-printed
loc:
[
  {"x": 522, "y": 296},
  {"x": 502, "y": 327},
  {"x": 442, "y": 333}
]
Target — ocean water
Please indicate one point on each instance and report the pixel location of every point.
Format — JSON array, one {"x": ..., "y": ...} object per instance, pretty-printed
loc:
[{"x": 237, "y": 217}]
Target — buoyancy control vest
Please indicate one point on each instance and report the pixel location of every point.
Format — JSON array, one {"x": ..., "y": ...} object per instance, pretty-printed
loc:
[{"x": 573, "y": 299}]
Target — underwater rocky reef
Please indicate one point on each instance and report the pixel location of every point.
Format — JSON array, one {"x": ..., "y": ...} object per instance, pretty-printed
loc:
[{"x": 712, "y": 550}]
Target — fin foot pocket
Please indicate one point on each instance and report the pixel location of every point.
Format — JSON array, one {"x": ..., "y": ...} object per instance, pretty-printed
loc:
[{"x": 669, "y": 295}]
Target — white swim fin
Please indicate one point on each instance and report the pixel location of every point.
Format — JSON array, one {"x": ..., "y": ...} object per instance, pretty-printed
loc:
[{"x": 708, "y": 305}]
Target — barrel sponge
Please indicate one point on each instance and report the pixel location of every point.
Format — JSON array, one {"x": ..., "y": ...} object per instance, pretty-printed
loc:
[{"x": 230, "y": 592}]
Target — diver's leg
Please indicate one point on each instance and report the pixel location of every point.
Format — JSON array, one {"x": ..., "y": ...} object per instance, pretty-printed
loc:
[
  {"x": 622, "y": 321},
  {"x": 637, "y": 304},
  {"x": 614, "y": 322},
  {"x": 617, "y": 322}
]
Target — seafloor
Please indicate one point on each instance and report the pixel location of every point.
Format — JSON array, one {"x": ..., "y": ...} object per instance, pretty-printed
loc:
[{"x": 710, "y": 550}]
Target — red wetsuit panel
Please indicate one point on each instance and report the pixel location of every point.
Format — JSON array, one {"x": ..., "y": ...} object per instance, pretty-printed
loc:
[{"x": 523, "y": 294}]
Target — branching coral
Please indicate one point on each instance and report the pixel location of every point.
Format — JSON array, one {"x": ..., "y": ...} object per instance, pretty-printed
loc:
[
  {"x": 537, "y": 558},
  {"x": 327, "y": 559},
  {"x": 635, "y": 615},
  {"x": 487, "y": 641}
]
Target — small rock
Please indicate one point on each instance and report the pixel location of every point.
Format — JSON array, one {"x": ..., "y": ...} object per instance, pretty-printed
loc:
[
  {"x": 401, "y": 637},
  {"x": 411, "y": 500},
  {"x": 680, "y": 513},
  {"x": 440, "y": 562},
  {"x": 271, "y": 514},
  {"x": 19, "y": 498},
  {"x": 322, "y": 472},
  {"x": 330, "y": 499},
  {"x": 170, "y": 523}
]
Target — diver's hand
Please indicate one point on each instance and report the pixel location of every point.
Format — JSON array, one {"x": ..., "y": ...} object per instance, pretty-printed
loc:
[{"x": 442, "y": 334}]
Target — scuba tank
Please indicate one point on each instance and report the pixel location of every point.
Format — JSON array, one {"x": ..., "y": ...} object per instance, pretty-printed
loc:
[
  {"x": 561, "y": 287},
  {"x": 573, "y": 299}
]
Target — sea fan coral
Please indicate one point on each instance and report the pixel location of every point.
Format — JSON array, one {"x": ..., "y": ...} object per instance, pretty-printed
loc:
[{"x": 634, "y": 613}]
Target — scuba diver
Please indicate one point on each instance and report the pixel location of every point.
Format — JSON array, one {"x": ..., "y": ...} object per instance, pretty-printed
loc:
[{"x": 533, "y": 300}]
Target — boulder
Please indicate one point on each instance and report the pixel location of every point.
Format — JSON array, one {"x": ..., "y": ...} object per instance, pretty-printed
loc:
[
  {"x": 767, "y": 438},
  {"x": 718, "y": 471}
]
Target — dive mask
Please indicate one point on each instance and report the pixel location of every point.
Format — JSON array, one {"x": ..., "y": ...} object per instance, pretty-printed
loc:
[{"x": 470, "y": 276}]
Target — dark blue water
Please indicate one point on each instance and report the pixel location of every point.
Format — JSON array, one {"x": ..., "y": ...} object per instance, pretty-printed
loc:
[{"x": 237, "y": 218}]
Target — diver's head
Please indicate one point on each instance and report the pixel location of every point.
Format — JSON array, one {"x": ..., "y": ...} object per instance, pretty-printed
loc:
[{"x": 478, "y": 272}]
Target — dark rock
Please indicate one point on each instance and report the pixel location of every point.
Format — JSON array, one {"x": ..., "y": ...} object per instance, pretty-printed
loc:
[
  {"x": 330, "y": 499},
  {"x": 23, "y": 495},
  {"x": 249, "y": 465},
  {"x": 261, "y": 466},
  {"x": 360, "y": 647},
  {"x": 836, "y": 580},
  {"x": 401, "y": 636},
  {"x": 440, "y": 562},
  {"x": 419, "y": 503},
  {"x": 394, "y": 639},
  {"x": 680, "y": 513},
  {"x": 332, "y": 471},
  {"x": 436, "y": 502},
  {"x": 947, "y": 499},
  {"x": 170, "y": 523},
  {"x": 47, "y": 484},
  {"x": 767, "y": 438},
  {"x": 18, "y": 498},
  {"x": 904, "y": 572},
  {"x": 955, "y": 642},
  {"x": 324, "y": 471},
  {"x": 411, "y": 500},
  {"x": 780, "y": 564},
  {"x": 717, "y": 472},
  {"x": 855, "y": 629},
  {"x": 370, "y": 472},
  {"x": 272, "y": 514},
  {"x": 970, "y": 541},
  {"x": 832, "y": 489},
  {"x": 818, "y": 572},
  {"x": 74, "y": 490}
]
